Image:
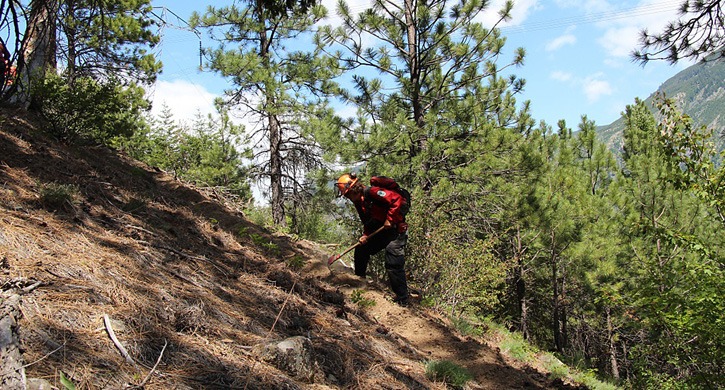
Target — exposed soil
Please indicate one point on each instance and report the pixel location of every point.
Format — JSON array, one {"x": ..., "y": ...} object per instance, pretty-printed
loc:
[{"x": 169, "y": 263}]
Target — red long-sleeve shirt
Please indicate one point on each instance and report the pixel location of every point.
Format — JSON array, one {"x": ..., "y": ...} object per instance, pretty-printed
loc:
[{"x": 378, "y": 205}]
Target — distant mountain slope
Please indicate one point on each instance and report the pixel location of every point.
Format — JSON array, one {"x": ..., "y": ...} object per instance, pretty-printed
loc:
[{"x": 699, "y": 92}]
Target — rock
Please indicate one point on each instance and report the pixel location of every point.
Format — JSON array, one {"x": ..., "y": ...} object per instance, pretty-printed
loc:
[
  {"x": 292, "y": 355},
  {"x": 39, "y": 384},
  {"x": 12, "y": 373}
]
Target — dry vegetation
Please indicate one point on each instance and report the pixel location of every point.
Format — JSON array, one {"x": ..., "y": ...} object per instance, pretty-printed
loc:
[{"x": 177, "y": 270}]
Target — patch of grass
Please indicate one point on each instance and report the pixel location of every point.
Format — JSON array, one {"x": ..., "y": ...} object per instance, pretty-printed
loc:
[
  {"x": 268, "y": 246},
  {"x": 555, "y": 367},
  {"x": 56, "y": 196},
  {"x": 296, "y": 262},
  {"x": 516, "y": 347},
  {"x": 465, "y": 327},
  {"x": 137, "y": 172},
  {"x": 589, "y": 379},
  {"x": 451, "y": 373},
  {"x": 358, "y": 297}
]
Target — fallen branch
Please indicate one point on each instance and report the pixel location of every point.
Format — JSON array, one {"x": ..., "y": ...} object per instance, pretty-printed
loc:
[
  {"x": 44, "y": 357},
  {"x": 251, "y": 370},
  {"x": 182, "y": 254},
  {"x": 112, "y": 335},
  {"x": 141, "y": 229},
  {"x": 143, "y": 383}
]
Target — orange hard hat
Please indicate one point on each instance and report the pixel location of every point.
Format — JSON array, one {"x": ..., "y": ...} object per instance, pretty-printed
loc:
[{"x": 345, "y": 182}]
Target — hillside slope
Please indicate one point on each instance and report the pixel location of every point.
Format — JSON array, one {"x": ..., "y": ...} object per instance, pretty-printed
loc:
[{"x": 186, "y": 282}]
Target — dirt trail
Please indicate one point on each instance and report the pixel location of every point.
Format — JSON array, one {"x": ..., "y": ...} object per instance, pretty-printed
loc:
[{"x": 431, "y": 338}]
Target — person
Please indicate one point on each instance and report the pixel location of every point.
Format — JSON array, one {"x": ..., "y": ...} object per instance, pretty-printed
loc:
[
  {"x": 378, "y": 207},
  {"x": 4, "y": 63}
]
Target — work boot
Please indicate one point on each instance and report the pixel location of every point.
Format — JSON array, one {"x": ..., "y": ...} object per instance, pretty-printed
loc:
[{"x": 403, "y": 301}]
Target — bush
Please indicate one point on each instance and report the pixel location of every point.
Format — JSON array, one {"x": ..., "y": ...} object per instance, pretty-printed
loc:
[
  {"x": 449, "y": 372},
  {"x": 55, "y": 196},
  {"x": 90, "y": 109}
]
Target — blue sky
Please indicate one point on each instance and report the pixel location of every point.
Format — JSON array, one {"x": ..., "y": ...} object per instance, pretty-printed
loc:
[{"x": 578, "y": 57}]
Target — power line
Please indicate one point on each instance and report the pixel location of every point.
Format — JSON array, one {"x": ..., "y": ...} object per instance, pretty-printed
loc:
[{"x": 593, "y": 18}]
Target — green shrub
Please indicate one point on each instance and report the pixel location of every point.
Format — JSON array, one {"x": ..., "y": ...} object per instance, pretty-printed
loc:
[
  {"x": 296, "y": 262},
  {"x": 56, "y": 196},
  {"x": 465, "y": 327},
  {"x": 447, "y": 371},
  {"x": 90, "y": 109},
  {"x": 359, "y": 299},
  {"x": 515, "y": 345}
]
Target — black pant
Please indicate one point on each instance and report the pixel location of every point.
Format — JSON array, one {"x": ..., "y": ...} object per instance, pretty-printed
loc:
[{"x": 394, "y": 245}]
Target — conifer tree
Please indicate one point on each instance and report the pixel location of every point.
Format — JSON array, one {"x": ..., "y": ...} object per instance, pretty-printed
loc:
[
  {"x": 89, "y": 39},
  {"x": 282, "y": 91},
  {"x": 675, "y": 245}
]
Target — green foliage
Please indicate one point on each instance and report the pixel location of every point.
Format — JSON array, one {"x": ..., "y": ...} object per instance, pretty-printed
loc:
[
  {"x": 296, "y": 262},
  {"x": 67, "y": 383},
  {"x": 555, "y": 368},
  {"x": 260, "y": 216},
  {"x": 108, "y": 39},
  {"x": 465, "y": 326},
  {"x": 57, "y": 196},
  {"x": 445, "y": 261},
  {"x": 677, "y": 243},
  {"x": 206, "y": 154},
  {"x": 449, "y": 372},
  {"x": 358, "y": 297},
  {"x": 515, "y": 346},
  {"x": 285, "y": 91},
  {"x": 89, "y": 109}
]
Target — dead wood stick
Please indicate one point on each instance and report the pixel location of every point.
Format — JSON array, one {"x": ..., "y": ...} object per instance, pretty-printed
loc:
[
  {"x": 112, "y": 335},
  {"x": 201, "y": 258},
  {"x": 291, "y": 290},
  {"x": 44, "y": 357},
  {"x": 143, "y": 383},
  {"x": 141, "y": 229}
]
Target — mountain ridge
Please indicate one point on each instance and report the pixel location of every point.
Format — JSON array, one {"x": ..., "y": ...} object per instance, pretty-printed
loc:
[{"x": 698, "y": 90}]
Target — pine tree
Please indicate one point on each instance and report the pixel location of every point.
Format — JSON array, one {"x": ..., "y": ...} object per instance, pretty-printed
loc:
[
  {"x": 100, "y": 40},
  {"x": 284, "y": 91},
  {"x": 675, "y": 244}
]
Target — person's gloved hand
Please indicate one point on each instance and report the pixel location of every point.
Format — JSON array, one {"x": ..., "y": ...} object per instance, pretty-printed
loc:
[{"x": 402, "y": 227}]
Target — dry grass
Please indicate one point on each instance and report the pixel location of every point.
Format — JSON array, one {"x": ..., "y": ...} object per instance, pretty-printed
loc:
[{"x": 142, "y": 248}]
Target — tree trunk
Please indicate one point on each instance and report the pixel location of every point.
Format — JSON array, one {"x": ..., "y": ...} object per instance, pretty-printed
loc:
[
  {"x": 275, "y": 164},
  {"x": 38, "y": 47},
  {"x": 275, "y": 133},
  {"x": 555, "y": 315},
  {"x": 521, "y": 287},
  {"x": 612, "y": 346}
]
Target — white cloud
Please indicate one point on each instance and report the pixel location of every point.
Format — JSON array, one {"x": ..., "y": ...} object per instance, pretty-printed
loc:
[
  {"x": 560, "y": 41},
  {"x": 622, "y": 28},
  {"x": 521, "y": 11},
  {"x": 184, "y": 99},
  {"x": 594, "y": 88},
  {"x": 619, "y": 42},
  {"x": 561, "y": 76},
  {"x": 588, "y": 6}
]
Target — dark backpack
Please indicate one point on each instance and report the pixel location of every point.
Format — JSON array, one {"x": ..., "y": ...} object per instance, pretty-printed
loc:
[{"x": 390, "y": 184}]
